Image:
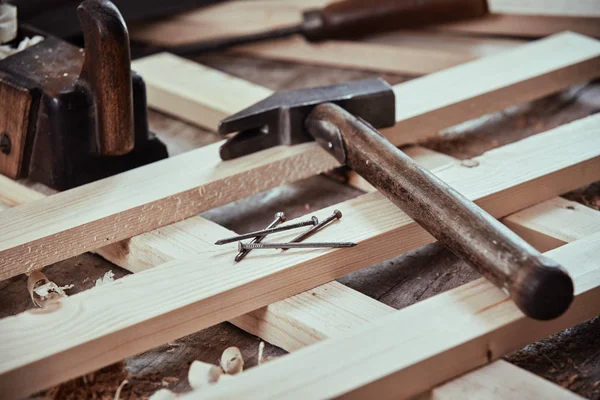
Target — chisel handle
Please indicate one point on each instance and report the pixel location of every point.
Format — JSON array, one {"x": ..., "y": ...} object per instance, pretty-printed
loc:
[
  {"x": 538, "y": 285},
  {"x": 355, "y": 18}
]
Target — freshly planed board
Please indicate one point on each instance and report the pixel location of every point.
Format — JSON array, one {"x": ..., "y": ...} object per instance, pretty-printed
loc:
[
  {"x": 193, "y": 92},
  {"x": 531, "y": 26},
  {"x": 573, "y": 8},
  {"x": 109, "y": 323},
  {"x": 92, "y": 216},
  {"x": 183, "y": 88},
  {"x": 357, "y": 55},
  {"x": 499, "y": 380},
  {"x": 429, "y": 342},
  {"x": 554, "y": 223}
]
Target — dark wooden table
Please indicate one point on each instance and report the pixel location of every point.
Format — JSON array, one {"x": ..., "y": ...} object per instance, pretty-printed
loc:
[{"x": 570, "y": 358}]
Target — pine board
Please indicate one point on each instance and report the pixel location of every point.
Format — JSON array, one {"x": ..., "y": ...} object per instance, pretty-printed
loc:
[{"x": 109, "y": 323}]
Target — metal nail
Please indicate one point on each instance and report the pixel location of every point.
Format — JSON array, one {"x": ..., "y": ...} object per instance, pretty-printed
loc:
[
  {"x": 333, "y": 245},
  {"x": 279, "y": 218},
  {"x": 337, "y": 214},
  {"x": 313, "y": 221}
]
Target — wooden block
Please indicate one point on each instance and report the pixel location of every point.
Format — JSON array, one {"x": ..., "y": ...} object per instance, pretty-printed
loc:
[
  {"x": 95, "y": 215},
  {"x": 111, "y": 322}
]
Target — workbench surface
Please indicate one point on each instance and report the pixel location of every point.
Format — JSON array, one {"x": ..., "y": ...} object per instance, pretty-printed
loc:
[{"x": 571, "y": 358}]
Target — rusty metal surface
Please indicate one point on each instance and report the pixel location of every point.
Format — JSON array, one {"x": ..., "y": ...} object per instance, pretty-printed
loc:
[{"x": 279, "y": 119}]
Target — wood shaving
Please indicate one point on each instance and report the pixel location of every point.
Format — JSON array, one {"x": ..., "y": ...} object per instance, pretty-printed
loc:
[
  {"x": 107, "y": 278},
  {"x": 42, "y": 290},
  {"x": 163, "y": 394},
  {"x": 202, "y": 374},
  {"x": 232, "y": 361},
  {"x": 118, "y": 392},
  {"x": 261, "y": 349},
  {"x": 8, "y": 50}
]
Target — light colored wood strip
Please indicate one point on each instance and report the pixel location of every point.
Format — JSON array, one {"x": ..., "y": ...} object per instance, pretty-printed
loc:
[
  {"x": 427, "y": 39},
  {"x": 512, "y": 85},
  {"x": 17, "y": 194},
  {"x": 531, "y": 26},
  {"x": 97, "y": 327},
  {"x": 554, "y": 222},
  {"x": 193, "y": 92},
  {"x": 573, "y": 8},
  {"x": 222, "y": 20},
  {"x": 422, "y": 345},
  {"x": 89, "y": 217},
  {"x": 357, "y": 55},
  {"x": 499, "y": 380}
]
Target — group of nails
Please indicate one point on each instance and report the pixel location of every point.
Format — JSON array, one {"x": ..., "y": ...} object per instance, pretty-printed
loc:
[{"x": 273, "y": 227}]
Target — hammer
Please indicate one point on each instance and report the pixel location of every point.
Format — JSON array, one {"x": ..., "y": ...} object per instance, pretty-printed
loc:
[{"x": 343, "y": 120}]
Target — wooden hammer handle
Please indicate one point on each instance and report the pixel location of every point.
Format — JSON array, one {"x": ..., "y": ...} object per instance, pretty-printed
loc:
[
  {"x": 539, "y": 286},
  {"x": 357, "y": 18},
  {"x": 106, "y": 73}
]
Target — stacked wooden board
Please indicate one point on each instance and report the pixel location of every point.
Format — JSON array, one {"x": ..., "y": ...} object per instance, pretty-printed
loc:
[{"x": 173, "y": 247}]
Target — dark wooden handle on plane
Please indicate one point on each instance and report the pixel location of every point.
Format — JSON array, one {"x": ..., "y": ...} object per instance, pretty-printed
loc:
[{"x": 106, "y": 73}]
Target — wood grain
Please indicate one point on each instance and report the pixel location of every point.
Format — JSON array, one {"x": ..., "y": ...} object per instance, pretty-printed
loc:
[
  {"x": 100, "y": 326},
  {"x": 357, "y": 55},
  {"x": 509, "y": 17},
  {"x": 532, "y": 26},
  {"x": 98, "y": 214},
  {"x": 499, "y": 380},
  {"x": 573, "y": 8},
  {"x": 15, "y": 105},
  {"x": 193, "y": 92},
  {"x": 402, "y": 354},
  {"x": 555, "y": 222}
]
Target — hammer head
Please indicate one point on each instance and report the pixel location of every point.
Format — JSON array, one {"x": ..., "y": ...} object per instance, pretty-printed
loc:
[{"x": 279, "y": 119}]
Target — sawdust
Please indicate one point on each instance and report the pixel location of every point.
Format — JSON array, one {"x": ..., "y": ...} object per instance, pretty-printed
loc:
[
  {"x": 43, "y": 291},
  {"x": 7, "y": 50},
  {"x": 107, "y": 278}
]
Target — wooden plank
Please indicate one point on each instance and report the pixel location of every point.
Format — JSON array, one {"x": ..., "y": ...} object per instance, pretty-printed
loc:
[
  {"x": 427, "y": 39},
  {"x": 357, "y": 55},
  {"x": 104, "y": 325},
  {"x": 193, "y": 92},
  {"x": 499, "y": 380},
  {"x": 573, "y": 8},
  {"x": 221, "y": 20},
  {"x": 405, "y": 353},
  {"x": 532, "y": 26},
  {"x": 554, "y": 223},
  {"x": 188, "y": 88},
  {"x": 97, "y": 214}
]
